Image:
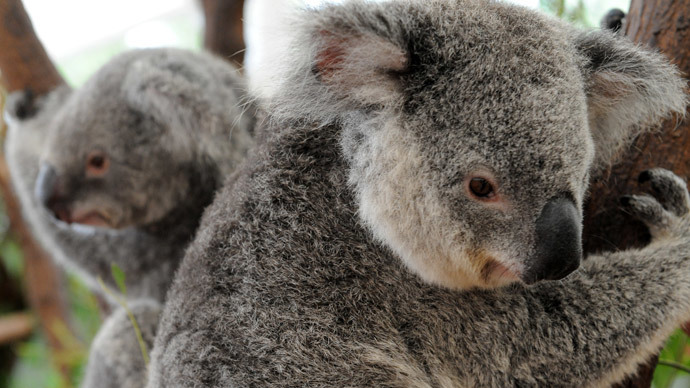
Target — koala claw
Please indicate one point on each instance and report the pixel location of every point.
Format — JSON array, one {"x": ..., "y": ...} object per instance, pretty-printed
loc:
[
  {"x": 669, "y": 188},
  {"x": 647, "y": 209},
  {"x": 670, "y": 203}
]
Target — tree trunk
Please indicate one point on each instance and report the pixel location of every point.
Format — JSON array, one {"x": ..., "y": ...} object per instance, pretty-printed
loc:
[
  {"x": 24, "y": 64},
  {"x": 665, "y": 25},
  {"x": 223, "y": 33}
]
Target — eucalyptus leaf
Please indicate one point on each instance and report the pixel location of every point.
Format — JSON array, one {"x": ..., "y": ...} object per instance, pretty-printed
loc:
[{"x": 119, "y": 277}]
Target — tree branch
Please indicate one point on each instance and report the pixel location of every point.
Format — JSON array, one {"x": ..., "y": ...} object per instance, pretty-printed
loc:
[
  {"x": 25, "y": 64},
  {"x": 223, "y": 33}
]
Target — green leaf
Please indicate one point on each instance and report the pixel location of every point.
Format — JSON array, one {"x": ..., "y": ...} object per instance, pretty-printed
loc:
[{"x": 119, "y": 277}]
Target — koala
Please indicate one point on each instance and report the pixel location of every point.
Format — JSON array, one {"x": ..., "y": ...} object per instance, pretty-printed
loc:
[
  {"x": 415, "y": 219},
  {"x": 120, "y": 171}
]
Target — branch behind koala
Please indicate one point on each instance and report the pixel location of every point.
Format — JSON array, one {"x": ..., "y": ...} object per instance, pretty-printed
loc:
[{"x": 24, "y": 64}]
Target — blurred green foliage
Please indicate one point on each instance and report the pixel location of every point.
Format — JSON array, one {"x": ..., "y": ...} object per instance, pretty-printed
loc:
[
  {"x": 677, "y": 350},
  {"x": 34, "y": 366},
  {"x": 575, "y": 13}
]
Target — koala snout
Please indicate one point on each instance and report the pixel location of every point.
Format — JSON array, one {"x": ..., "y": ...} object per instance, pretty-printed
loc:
[
  {"x": 559, "y": 242},
  {"x": 47, "y": 193}
]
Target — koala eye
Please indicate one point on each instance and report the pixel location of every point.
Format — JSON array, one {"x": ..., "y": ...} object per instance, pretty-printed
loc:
[
  {"x": 481, "y": 188},
  {"x": 97, "y": 164}
]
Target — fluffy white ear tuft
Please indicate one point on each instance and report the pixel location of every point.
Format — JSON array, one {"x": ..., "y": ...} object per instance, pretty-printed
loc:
[
  {"x": 629, "y": 90},
  {"x": 341, "y": 58}
]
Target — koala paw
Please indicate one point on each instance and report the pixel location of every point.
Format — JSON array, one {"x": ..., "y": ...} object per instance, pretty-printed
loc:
[{"x": 666, "y": 212}]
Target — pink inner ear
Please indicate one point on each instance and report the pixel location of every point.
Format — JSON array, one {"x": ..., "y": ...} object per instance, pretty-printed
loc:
[
  {"x": 331, "y": 55},
  {"x": 363, "y": 54}
]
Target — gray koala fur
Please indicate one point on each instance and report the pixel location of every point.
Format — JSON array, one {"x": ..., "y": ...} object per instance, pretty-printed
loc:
[
  {"x": 349, "y": 249},
  {"x": 173, "y": 124}
]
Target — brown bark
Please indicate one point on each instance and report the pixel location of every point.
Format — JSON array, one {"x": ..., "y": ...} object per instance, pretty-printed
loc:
[
  {"x": 24, "y": 64},
  {"x": 15, "y": 327},
  {"x": 23, "y": 60},
  {"x": 223, "y": 33},
  {"x": 665, "y": 25}
]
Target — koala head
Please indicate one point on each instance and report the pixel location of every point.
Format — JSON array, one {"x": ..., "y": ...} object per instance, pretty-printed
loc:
[
  {"x": 114, "y": 153},
  {"x": 471, "y": 127}
]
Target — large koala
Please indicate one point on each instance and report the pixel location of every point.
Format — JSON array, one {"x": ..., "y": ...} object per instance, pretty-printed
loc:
[
  {"x": 415, "y": 218},
  {"x": 120, "y": 171}
]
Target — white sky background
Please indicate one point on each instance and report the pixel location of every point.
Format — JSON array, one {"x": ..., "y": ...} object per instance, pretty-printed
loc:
[
  {"x": 67, "y": 27},
  {"x": 70, "y": 27}
]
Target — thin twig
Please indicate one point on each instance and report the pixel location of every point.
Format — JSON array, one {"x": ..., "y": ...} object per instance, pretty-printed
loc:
[{"x": 675, "y": 365}]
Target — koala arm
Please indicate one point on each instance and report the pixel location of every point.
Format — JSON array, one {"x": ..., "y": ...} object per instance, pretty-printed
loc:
[
  {"x": 115, "y": 359},
  {"x": 597, "y": 325}
]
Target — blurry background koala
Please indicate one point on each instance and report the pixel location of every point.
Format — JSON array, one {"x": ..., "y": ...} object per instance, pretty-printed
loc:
[
  {"x": 119, "y": 172},
  {"x": 81, "y": 36}
]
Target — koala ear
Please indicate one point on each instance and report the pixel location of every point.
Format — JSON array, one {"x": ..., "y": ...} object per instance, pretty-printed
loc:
[
  {"x": 629, "y": 90},
  {"x": 358, "y": 66},
  {"x": 339, "y": 60},
  {"x": 24, "y": 105},
  {"x": 168, "y": 96}
]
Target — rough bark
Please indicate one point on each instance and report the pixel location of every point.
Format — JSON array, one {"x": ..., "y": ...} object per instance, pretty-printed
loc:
[
  {"x": 23, "y": 60},
  {"x": 665, "y": 25},
  {"x": 24, "y": 64},
  {"x": 223, "y": 33}
]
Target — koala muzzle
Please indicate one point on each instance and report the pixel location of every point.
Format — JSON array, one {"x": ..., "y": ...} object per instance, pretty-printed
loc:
[
  {"x": 559, "y": 242},
  {"x": 47, "y": 193}
]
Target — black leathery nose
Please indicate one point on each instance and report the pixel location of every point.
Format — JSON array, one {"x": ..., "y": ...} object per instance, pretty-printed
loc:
[{"x": 559, "y": 241}]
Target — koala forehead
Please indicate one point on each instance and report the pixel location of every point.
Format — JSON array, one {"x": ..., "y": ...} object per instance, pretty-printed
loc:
[
  {"x": 98, "y": 116},
  {"x": 516, "y": 107}
]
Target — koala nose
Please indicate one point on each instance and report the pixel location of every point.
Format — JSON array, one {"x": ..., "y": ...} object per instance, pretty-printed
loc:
[
  {"x": 559, "y": 242},
  {"x": 47, "y": 193},
  {"x": 45, "y": 184}
]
